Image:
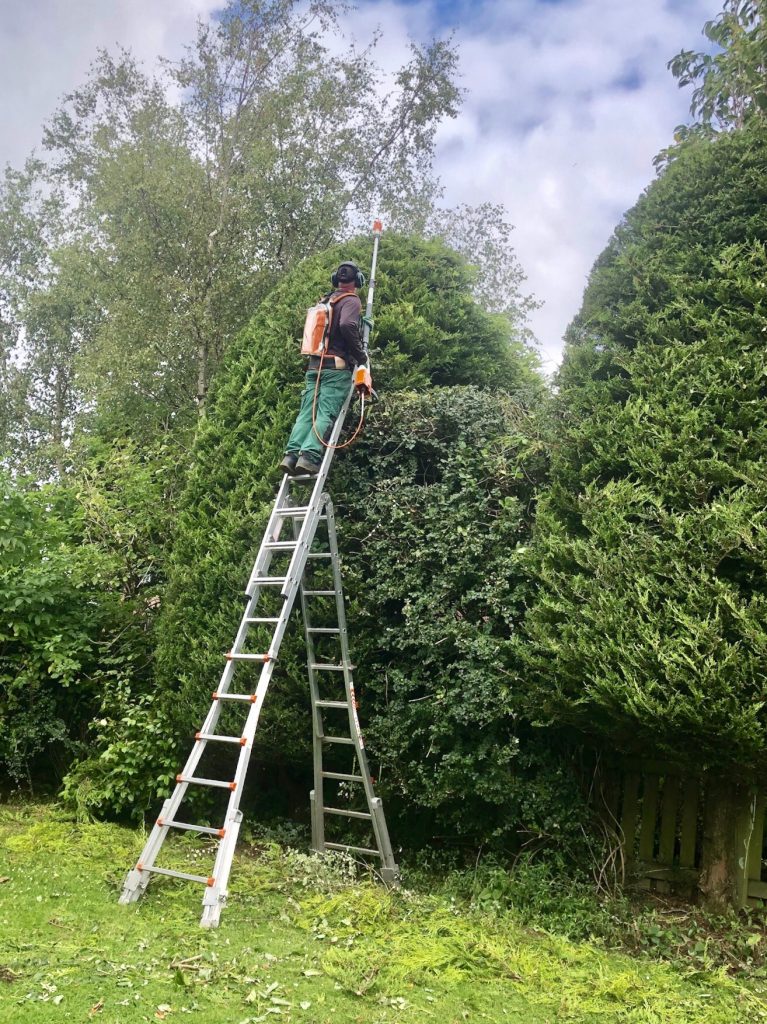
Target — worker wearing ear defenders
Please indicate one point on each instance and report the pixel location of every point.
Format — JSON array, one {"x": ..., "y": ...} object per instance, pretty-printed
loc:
[{"x": 341, "y": 352}]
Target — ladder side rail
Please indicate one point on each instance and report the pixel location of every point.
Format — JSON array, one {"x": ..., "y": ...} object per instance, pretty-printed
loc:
[
  {"x": 244, "y": 628},
  {"x": 215, "y": 895},
  {"x": 390, "y": 871},
  {"x": 138, "y": 877},
  {"x": 354, "y": 724},
  {"x": 138, "y": 880},
  {"x": 271, "y": 533},
  {"x": 317, "y": 795}
]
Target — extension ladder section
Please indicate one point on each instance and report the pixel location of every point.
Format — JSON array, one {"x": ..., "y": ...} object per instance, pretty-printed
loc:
[
  {"x": 341, "y": 712},
  {"x": 278, "y": 591}
]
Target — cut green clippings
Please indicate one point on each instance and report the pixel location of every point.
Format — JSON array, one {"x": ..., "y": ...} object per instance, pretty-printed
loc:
[{"x": 300, "y": 941}]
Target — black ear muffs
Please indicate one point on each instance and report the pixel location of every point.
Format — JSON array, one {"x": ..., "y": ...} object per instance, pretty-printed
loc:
[{"x": 359, "y": 277}]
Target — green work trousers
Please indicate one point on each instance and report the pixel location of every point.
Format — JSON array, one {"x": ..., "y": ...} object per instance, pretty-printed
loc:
[{"x": 334, "y": 387}]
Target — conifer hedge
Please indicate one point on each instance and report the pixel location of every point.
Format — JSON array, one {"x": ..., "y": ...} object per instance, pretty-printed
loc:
[
  {"x": 434, "y": 507},
  {"x": 649, "y": 629}
]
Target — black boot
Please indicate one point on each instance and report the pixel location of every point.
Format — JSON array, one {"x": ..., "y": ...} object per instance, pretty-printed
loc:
[
  {"x": 306, "y": 466},
  {"x": 288, "y": 465}
]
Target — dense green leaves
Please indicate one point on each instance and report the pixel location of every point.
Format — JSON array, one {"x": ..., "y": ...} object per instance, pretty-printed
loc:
[
  {"x": 81, "y": 576},
  {"x": 730, "y": 84},
  {"x": 436, "y": 510},
  {"x": 48, "y": 628},
  {"x": 433, "y": 504},
  {"x": 650, "y": 626}
]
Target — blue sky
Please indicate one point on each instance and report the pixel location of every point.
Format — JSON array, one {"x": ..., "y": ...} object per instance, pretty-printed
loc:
[{"x": 567, "y": 103}]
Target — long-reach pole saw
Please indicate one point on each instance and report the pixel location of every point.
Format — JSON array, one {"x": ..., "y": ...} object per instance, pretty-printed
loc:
[{"x": 362, "y": 378}]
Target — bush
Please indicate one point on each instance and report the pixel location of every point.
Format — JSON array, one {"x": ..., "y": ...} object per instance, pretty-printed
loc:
[{"x": 649, "y": 627}]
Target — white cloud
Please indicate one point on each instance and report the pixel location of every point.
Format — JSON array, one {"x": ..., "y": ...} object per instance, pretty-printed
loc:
[
  {"x": 567, "y": 104},
  {"x": 46, "y": 47}
]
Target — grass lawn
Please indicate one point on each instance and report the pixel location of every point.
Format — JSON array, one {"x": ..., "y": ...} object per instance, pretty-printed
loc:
[{"x": 299, "y": 942}]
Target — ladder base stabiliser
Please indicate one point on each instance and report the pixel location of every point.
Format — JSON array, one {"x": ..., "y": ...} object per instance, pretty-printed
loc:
[{"x": 300, "y": 522}]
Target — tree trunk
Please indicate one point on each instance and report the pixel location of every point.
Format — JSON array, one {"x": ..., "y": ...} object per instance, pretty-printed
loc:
[
  {"x": 718, "y": 875},
  {"x": 202, "y": 375},
  {"x": 59, "y": 413}
]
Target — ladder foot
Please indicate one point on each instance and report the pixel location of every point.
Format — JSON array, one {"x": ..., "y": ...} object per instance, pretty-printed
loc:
[
  {"x": 213, "y": 903},
  {"x": 391, "y": 877},
  {"x": 134, "y": 886}
]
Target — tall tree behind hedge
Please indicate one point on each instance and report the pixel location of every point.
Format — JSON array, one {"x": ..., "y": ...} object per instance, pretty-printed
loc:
[
  {"x": 649, "y": 630},
  {"x": 169, "y": 220},
  {"x": 442, "y": 487}
]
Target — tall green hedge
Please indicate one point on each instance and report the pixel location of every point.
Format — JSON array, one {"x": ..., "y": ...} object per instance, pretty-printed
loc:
[
  {"x": 435, "y": 505},
  {"x": 649, "y": 630}
]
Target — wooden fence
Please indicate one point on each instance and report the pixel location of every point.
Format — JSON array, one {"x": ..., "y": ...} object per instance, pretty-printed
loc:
[{"x": 656, "y": 815}]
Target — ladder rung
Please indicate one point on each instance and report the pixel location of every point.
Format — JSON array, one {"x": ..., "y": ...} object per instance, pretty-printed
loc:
[
  {"x": 332, "y": 704},
  {"x": 323, "y": 629},
  {"x": 248, "y": 657},
  {"x": 320, "y": 554},
  {"x": 296, "y": 510},
  {"x": 347, "y": 740},
  {"x": 213, "y": 737},
  {"x": 220, "y": 832},
  {"x": 269, "y": 581},
  {"x": 342, "y": 776},
  {"x": 353, "y": 849},
  {"x": 178, "y": 874},
  {"x": 327, "y": 667},
  {"x": 250, "y": 698},
  {"x": 348, "y": 814},
  {"x": 261, "y": 619},
  {"x": 195, "y": 780},
  {"x": 280, "y": 545},
  {"x": 319, "y": 593}
]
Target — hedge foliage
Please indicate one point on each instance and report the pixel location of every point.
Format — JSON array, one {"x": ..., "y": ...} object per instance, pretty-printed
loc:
[
  {"x": 78, "y": 578},
  {"x": 435, "y": 507},
  {"x": 650, "y": 625}
]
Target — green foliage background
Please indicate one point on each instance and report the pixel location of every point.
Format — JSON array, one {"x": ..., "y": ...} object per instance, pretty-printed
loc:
[
  {"x": 530, "y": 573},
  {"x": 80, "y": 565}
]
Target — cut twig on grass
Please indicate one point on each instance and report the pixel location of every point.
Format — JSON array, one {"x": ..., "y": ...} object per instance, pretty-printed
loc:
[
  {"x": 6, "y": 974},
  {"x": 189, "y": 964}
]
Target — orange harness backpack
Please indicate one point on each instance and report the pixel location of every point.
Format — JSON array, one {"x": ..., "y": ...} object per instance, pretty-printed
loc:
[{"x": 319, "y": 319}]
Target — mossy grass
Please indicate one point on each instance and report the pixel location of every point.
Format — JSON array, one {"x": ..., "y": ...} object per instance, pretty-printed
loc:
[{"x": 301, "y": 940}]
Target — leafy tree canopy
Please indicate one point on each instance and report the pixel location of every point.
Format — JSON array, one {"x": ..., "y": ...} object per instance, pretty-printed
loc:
[
  {"x": 729, "y": 76},
  {"x": 164, "y": 208}
]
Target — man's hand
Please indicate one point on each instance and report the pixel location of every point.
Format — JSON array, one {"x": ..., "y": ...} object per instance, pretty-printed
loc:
[{"x": 363, "y": 382}]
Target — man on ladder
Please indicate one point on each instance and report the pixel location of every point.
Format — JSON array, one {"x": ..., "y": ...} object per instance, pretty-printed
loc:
[
  {"x": 329, "y": 372},
  {"x": 279, "y": 577}
]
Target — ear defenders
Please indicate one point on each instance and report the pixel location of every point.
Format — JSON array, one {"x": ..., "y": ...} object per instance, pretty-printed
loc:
[{"x": 359, "y": 277}]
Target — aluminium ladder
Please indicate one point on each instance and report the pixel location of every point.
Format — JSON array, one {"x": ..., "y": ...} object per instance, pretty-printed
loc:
[{"x": 296, "y": 580}]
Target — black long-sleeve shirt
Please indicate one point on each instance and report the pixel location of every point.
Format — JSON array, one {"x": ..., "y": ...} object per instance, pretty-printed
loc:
[{"x": 345, "y": 340}]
